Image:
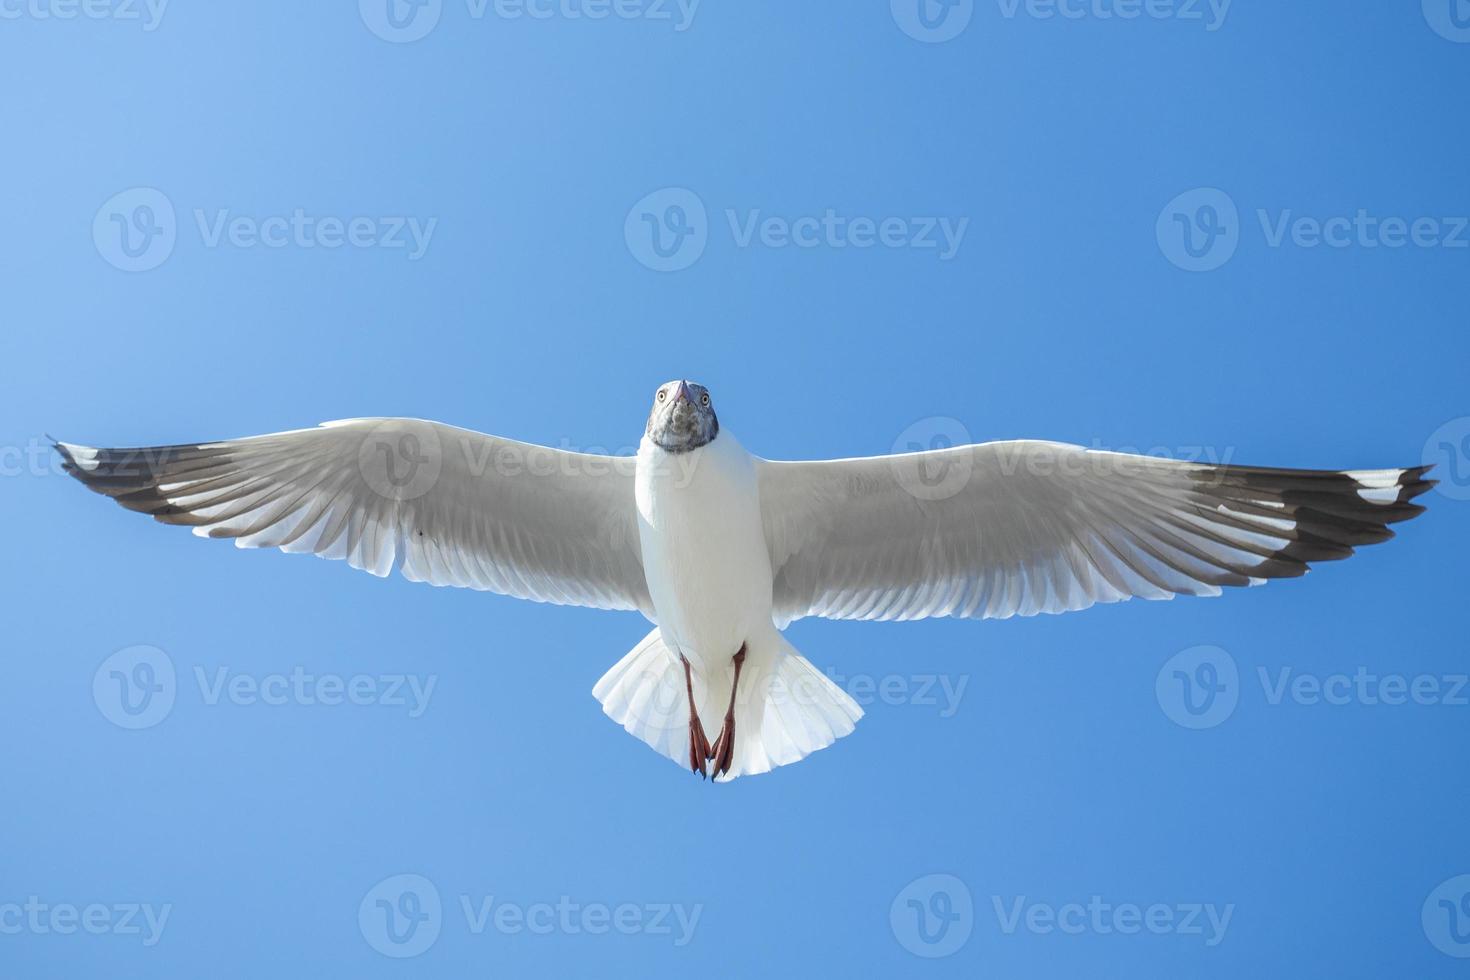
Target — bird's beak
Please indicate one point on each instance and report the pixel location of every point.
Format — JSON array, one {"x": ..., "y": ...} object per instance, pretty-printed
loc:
[{"x": 683, "y": 393}]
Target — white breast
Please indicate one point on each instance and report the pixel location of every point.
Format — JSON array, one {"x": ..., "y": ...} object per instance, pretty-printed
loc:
[{"x": 704, "y": 550}]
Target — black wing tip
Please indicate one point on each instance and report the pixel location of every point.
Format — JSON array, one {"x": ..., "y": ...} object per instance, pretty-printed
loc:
[
  {"x": 1332, "y": 513},
  {"x": 1412, "y": 483},
  {"x": 116, "y": 474}
]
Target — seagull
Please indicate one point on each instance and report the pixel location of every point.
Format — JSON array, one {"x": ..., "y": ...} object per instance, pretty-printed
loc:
[{"x": 721, "y": 549}]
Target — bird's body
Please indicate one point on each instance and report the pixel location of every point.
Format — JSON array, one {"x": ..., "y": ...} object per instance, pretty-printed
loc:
[
  {"x": 708, "y": 571},
  {"x": 704, "y": 550},
  {"x": 721, "y": 549}
]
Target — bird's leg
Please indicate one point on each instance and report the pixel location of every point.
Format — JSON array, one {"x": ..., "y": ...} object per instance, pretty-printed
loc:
[
  {"x": 698, "y": 743},
  {"x": 723, "y": 753}
]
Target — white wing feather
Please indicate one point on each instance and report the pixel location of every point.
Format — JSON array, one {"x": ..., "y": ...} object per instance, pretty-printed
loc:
[
  {"x": 448, "y": 506},
  {"x": 1024, "y": 527}
]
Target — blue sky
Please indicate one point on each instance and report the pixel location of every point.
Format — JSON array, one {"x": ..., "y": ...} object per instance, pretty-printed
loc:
[{"x": 1232, "y": 231}]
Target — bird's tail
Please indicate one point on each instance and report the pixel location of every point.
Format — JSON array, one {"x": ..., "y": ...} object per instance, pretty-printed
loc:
[{"x": 785, "y": 709}]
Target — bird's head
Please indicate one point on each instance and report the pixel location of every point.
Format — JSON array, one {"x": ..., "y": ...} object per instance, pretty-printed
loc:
[{"x": 682, "y": 418}]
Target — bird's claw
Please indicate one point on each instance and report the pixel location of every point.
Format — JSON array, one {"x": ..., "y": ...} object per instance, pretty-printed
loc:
[
  {"x": 699, "y": 750},
  {"x": 723, "y": 753}
]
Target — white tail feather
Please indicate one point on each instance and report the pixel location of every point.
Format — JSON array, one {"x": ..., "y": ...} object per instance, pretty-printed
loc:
[{"x": 785, "y": 708}]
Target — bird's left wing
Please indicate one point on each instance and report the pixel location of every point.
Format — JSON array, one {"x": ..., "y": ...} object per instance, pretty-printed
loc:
[
  {"x": 1018, "y": 528},
  {"x": 447, "y": 505}
]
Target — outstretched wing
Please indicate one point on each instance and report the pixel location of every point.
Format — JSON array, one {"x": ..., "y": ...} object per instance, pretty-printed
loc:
[
  {"x": 1019, "y": 528},
  {"x": 447, "y": 505}
]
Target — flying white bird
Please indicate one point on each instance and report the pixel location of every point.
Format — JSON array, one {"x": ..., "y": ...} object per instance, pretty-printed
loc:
[{"x": 722, "y": 549}]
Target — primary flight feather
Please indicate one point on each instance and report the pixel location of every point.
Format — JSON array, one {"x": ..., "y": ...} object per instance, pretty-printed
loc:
[{"x": 721, "y": 549}]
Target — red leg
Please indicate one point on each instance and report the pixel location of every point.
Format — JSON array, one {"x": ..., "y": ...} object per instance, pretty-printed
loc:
[
  {"x": 698, "y": 744},
  {"x": 723, "y": 752}
]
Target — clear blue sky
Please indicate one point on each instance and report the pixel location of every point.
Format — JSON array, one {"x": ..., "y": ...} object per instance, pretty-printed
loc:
[{"x": 1068, "y": 309}]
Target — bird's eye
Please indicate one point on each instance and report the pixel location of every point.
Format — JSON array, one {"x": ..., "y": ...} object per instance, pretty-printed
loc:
[
  {"x": 704, "y": 399},
  {"x": 662, "y": 394}
]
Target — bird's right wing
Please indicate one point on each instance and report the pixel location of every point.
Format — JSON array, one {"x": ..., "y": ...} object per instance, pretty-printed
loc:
[
  {"x": 447, "y": 505},
  {"x": 1018, "y": 528}
]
